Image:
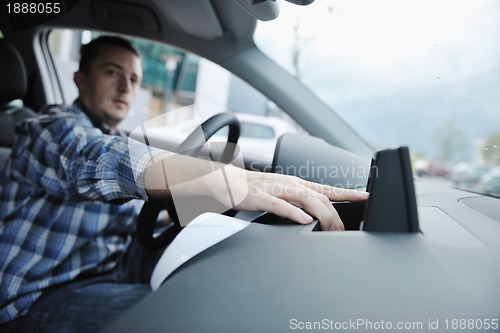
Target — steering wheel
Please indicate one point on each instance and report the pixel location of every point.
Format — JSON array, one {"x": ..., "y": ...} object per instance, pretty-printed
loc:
[{"x": 191, "y": 146}]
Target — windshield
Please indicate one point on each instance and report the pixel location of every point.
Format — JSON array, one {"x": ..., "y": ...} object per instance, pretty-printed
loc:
[{"x": 424, "y": 73}]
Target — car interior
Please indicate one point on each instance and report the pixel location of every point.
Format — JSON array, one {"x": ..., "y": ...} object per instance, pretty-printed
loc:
[
  {"x": 417, "y": 252},
  {"x": 13, "y": 88}
]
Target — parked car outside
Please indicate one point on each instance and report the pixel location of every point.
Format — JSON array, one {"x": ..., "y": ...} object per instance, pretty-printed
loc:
[
  {"x": 257, "y": 141},
  {"x": 490, "y": 182},
  {"x": 467, "y": 174}
]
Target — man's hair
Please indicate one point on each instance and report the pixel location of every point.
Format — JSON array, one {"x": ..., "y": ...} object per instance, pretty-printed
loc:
[{"x": 89, "y": 52}]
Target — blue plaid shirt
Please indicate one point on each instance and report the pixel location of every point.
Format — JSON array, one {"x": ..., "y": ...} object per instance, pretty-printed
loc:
[{"x": 66, "y": 204}]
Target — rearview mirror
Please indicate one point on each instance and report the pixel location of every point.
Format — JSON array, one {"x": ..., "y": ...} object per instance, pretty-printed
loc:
[
  {"x": 301, "y": 2},
  {"x": 267, "y": 10}
]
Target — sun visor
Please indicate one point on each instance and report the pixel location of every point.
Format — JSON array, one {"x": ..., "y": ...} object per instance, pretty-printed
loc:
[
  {"x": 197, "y": 18},
  {"x": 128, "y": 14}
]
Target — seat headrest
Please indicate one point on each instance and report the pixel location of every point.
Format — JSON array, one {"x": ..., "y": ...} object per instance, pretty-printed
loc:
[{"x": 14, "y": 80}]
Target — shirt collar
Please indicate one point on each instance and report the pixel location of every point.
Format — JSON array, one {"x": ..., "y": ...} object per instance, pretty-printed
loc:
[{"x": 95, "y": 120}]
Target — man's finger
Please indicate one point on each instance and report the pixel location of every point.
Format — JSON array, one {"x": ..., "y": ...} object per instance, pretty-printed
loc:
[
  {"x": 280, "y": 207},
  {"x": 337, "y": 193},
  {"x": 316, "y": 204}
]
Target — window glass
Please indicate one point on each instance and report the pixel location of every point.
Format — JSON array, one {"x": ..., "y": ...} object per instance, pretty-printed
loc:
[{"x": 421, "y": 73}]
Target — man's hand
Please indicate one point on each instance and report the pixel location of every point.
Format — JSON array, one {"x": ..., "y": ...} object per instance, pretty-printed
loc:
[
  {"x": 286, "y": 196},
  {"x": 292, "y": 197}
]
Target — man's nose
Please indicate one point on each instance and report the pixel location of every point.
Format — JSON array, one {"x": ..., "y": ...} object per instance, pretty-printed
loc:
[{"x": 124, "y": 84}]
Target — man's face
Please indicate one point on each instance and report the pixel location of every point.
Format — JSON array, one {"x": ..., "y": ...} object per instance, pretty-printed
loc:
[{"x": 109, "y": 88}]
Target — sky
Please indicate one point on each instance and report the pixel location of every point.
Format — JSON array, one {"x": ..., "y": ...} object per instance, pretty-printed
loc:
[{"x": 399, "y": 71}]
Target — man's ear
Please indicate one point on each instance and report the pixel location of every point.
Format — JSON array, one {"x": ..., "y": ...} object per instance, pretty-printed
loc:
[{"x": 79, "y": 77}]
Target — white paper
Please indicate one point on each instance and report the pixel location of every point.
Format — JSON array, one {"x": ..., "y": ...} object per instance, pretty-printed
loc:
[{"x": 203, "y": 232}]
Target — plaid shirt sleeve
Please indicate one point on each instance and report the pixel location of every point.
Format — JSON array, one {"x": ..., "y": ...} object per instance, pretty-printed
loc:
[{"x": 71, "y": 160}]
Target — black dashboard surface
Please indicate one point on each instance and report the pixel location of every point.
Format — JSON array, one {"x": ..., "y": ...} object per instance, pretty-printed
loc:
[{"x": 286, "y": 277}]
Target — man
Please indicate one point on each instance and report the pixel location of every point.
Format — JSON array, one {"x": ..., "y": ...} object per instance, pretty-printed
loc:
[{"x": 68, "y": 259}]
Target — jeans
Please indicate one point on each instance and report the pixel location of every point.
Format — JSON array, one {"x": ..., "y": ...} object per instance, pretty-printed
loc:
[{"x": 90, "y": 303}]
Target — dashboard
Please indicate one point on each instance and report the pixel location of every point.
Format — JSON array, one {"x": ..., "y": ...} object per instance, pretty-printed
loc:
[{"x": 276, "y": 276}]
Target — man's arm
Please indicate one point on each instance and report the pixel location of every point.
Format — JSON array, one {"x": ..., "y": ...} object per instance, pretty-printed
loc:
[
  {"x": 71, "y": 160},
  {"x": 247, "y": 190}
]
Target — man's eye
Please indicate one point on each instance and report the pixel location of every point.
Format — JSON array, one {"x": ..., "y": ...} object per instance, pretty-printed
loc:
[{"x": 111, "y": 72}]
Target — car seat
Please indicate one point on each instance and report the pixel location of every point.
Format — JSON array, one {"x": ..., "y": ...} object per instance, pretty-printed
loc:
[{"x": 13, "y": 87}]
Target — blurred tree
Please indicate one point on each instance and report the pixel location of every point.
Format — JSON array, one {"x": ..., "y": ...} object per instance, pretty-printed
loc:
[
  {"x": 154, "y": 68},
  {"x": 491, "y": 152},
  {"x": 450, "y": 140},
  {"x": 299, "y": 46}
]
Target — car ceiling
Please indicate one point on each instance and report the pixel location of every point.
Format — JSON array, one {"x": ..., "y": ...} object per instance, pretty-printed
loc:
[{"x": 200, "y": 26}]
